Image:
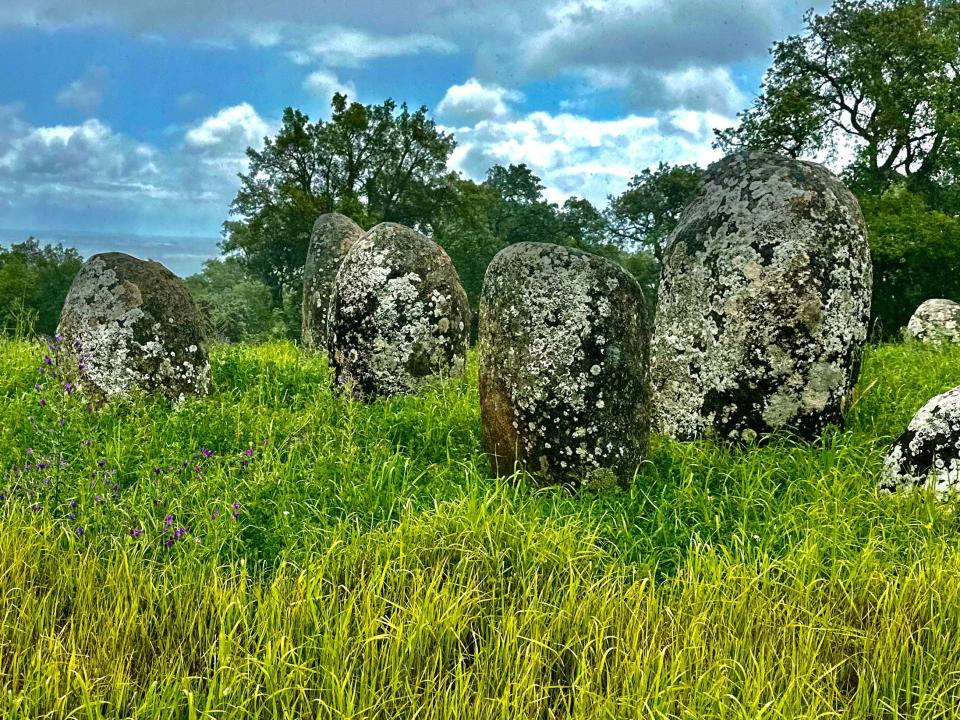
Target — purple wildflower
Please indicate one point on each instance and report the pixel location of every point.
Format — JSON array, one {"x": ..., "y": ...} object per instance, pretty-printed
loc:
[
  {"x": 168, "y": 521},
  {"x": 102, "y": 463},
  {"x": 73, "y": 504},
  {"x": 71, "y": 516},
  {"x": 136, "y": 532},
  {"x": 205, "y": 452},
  {"x": 80, "y": 531},
  {"x": 98, "y": 498},
  {"x": 48, "y": 360},
  {"x": 215, "y": 514},
  {"x": 248, "y": 452}
]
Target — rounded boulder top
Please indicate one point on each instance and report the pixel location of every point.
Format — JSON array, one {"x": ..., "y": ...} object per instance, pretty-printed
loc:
[
  {"x": 398, "y": 315},
  {"x": 135, "y": 325},
  {"x": 935, "y": 321},
  {"x": 564, "y": 386},
  {"x": 763, "y": 304},
  {"x": 332, "y": 236},
  {"x": 927, "y": 454}
]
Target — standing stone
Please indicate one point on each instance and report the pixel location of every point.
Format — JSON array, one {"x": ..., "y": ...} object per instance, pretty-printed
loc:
[
  {"x": 763, "y": 304},
  {"x": 398, "y": 315},
  {"x": 564, "y": 346},
  {"x": 927, "y": 454},
  {"x": 135, "y": 325},
  {"x": 936, "y": 322},
  {"x": 333, "y": 235}
]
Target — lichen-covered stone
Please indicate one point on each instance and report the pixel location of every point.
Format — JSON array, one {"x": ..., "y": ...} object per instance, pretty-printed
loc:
[
  {"x": 135, "y": 326},
  {"x": 564, "y": 382},
  {"x": 398, "y": 315},
  {"x": 333, "y": 235},
  {"x": 935, "y": 321},
  {"x": 927, "y": 454},
  {"x": 764, "y": 303}
]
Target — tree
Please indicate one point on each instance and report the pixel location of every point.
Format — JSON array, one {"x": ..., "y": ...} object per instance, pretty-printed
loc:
[
  {"x": 877, "y": 76},
  {"x": 915, "y": 251},
  {"x": 34, "y": 281},
  {"x": 642, "y": 216},
  {"x": 372, "y": 162},
  {"x": 522, "y": 214},
  {"x": 235, "y": 306}
]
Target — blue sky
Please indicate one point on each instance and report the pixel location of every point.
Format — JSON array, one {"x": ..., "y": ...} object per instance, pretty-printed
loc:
[{"x": 131, "y": 117}]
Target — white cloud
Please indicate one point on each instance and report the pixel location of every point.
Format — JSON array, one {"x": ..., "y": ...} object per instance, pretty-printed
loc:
[
  {"x": 90, "y": 153},
  {"x": 86, "y": 92},
  {"x": 473, "y": 101},
  {"x": 230, "y": 131},
  {"x": 348, "y": 47},
  {"x": 324, "y": 84},
  {"x": 88, "y": 176},
  {"x": 576, "y": 155}
]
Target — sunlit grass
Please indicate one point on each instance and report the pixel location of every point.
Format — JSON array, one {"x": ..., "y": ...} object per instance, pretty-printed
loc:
[{"x": 376, "y": 570}]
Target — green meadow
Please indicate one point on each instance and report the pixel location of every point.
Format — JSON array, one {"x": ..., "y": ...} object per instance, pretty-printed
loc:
[{"x": 276, "y": 551}]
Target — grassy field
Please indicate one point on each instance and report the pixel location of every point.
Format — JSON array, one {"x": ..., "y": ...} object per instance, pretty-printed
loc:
[{"x": 274, "y": 551}]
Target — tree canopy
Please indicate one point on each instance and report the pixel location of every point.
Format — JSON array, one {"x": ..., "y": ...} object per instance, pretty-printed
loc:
[
  {"x": 372, "y": 162},
  {"x": 878, "y": 80},
  {"x": 34, "y": 281}
]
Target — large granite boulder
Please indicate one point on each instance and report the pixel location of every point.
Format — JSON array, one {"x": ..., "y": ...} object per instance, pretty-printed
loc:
[
  {"x": 135, "y": 326},
  {"x": 564, "y": 383},
  {"x": 333, "y": 235},
  {"x": 927, "y": 454},
  {"x": 763, "y": 304},
  {"x": 935, "y": 321},
  {"x": 398, "y": 315}
]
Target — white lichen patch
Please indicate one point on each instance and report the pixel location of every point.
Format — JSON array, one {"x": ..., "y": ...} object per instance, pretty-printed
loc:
[
  {"x": 556, "y": 327},
  {"x": 764, "y": 301},
  {"x": 399, "y": 314},
  {"x": 120, "y": 341},
  {"x": 935, "y": 321},
  {"x": 927, "y": 454}
]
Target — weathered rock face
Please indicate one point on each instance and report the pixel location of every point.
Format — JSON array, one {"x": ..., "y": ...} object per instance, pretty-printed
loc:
[
  {"x": 936, "y": 321},
  {"x": 763, "y": 304},
  {"x": 333, "y": 235},
  {"x": 564, "y": 382},
  {"x": 928, "y": 452},
  {"x": 398, "y": 314},
  {"x": 136, "y": 326}
]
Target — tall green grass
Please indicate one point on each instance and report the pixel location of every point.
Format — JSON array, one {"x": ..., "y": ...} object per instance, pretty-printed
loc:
[{"x": 376, "y": 570}]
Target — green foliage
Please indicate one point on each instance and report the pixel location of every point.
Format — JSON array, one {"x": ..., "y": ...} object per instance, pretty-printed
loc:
[
  {"x": 235, "y": 306},
  {"x": 915, "y": 253},
  {"x": 376, "y": 569},
  {"x": 371, "y": 162},
  {"x": 34, "y": 281},
  {"x": 644, "y": 215},
  {"x": 880, "y": 74}
]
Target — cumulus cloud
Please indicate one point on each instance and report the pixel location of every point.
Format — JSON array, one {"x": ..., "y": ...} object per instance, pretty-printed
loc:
[
  {"x": 91, "y": 175},
  {"x": 577, "y": 155},
  {"x": 229, "y": 131},
  {"x": 473, "y": 101},
  {"x": 86, "y": 92},
  {"x": 324, "y": 84}
]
